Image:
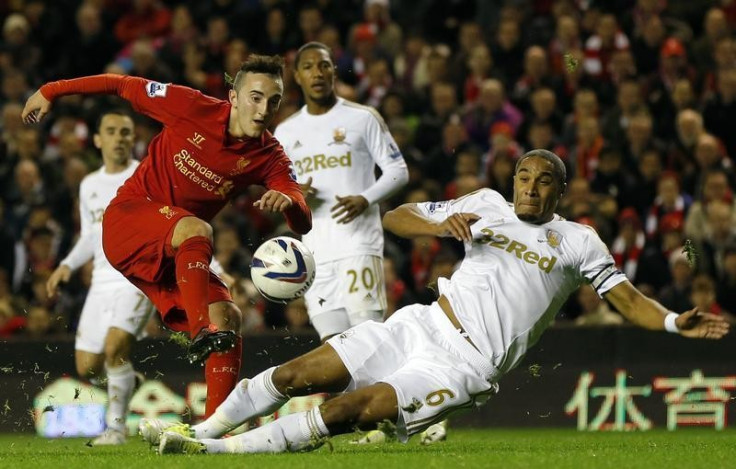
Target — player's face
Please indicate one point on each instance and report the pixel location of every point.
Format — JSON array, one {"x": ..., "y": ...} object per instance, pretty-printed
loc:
[
  {"x": 316, "y": 75},
  {"x": 536, "y": 192},
  {"x": 256, "y": 102},
  {"x": 115, "y": 138}
]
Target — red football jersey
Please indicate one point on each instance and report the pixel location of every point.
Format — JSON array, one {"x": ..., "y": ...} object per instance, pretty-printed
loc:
[{"x": 193, "y": 163}]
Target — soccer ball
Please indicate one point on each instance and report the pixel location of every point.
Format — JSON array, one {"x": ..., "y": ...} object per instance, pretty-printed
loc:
[{"x": 282, "y": 269}]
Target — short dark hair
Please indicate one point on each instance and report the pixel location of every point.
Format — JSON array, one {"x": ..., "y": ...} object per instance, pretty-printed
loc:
[
  {"x": 266, "y": 64},
  {"x": 560, "y": 172},
  {"x": 115, "y": 111},
  {"x": 312, "y": 45}
]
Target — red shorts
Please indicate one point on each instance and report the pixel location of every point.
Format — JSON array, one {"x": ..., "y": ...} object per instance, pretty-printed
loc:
[{"x": 136, "y": 238}]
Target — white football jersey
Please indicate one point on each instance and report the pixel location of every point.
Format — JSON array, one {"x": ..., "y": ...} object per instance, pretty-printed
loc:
[
  {"x": 516, "y": 275},
  {"x": 95, "y": 193},
  {"x": 339, "y": 150}
]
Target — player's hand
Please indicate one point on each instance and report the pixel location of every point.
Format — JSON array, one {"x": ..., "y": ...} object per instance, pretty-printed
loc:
[
  {"x": 273, "y": 201},
  {"x": 698, "y": 325},
  {"x": 348, "y": 207},
  {"x": 62, "y": 274},
  {"x": 36, "y": 107},
  {"x": 307, "y": 189},
  {"x": 458, "y": 226}
]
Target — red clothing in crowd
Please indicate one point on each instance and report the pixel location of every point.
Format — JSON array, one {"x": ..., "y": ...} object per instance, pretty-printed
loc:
[{"x": 152, "y": 22}]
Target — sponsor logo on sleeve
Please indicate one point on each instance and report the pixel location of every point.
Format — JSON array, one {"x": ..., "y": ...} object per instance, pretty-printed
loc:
[
  {"x": 155, "y": 89},
  {"x": 436, "y": 206},
  {"x": 395, "y": 152}
]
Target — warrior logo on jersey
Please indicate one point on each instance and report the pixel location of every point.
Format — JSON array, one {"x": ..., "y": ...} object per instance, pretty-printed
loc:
[
  {"x": 156, "y": 90},
  {"x": 338, "y": 136},
  {"x": 196, "y": 140},
  {"x": 554, "y": 238}
]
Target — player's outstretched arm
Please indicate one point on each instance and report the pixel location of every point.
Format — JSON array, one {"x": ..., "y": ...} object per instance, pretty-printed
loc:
[
  {"x": 649, "y": 314},
  {"x": 408, "y": 221}
]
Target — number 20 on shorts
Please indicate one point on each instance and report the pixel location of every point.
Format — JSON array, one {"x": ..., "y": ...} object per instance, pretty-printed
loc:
[{"x": 367, "y": 278}]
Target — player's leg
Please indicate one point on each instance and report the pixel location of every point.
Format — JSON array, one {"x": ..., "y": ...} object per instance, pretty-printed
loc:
[
  {"x": 191, "y": 240},
  {"x": 89, "y": 345},
  {"x": 89, "y": 354},
  {"x": 221, "y": 369},
  {"x": 120, "y": 385},
  {"x": 320, "y": 370},
  {"x": 301, "y": 431},
  {"x": 130, "y": 310},
  {"x": 142, "y": 238},
  {"x": 413, "y": 370},
  {"x": 364, "y": 298}
]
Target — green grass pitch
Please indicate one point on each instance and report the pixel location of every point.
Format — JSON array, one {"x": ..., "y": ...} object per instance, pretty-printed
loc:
[{"x": 494, "y": 448}]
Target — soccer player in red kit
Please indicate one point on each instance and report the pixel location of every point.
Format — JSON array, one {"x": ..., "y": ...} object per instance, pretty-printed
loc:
[{"x": 156, "y": 230}]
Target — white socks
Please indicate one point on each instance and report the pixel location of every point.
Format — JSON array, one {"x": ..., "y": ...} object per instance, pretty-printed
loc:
[
  {"x": 250, "y": 398},
  {"x": 120, "y": 385},
  {"x": 296, "y": 432}
]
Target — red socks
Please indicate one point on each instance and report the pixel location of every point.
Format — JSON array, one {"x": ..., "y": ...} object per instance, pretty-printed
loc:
[
  {"x": 221, "y": 371},
  {"x": 192, "y": 261}
]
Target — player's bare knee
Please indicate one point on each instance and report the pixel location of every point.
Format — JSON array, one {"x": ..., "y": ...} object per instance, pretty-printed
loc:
[
  {"x": 294, "y": 378},
  {"x": 286, "y": 379},
  {"x": 200, "y": 228},
  {"x": 190, "y": 227}
]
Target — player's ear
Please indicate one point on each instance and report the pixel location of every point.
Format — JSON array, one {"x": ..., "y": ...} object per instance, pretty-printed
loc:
[
  {"x": 233, "y": 97},
  {"x": 97, "y": 140}
]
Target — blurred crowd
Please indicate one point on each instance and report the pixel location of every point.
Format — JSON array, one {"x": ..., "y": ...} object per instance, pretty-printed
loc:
[{"x": 636, "y": 96}]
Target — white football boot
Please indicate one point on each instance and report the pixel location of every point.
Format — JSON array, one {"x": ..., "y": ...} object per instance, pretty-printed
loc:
[{"x": 151, "y": 429}]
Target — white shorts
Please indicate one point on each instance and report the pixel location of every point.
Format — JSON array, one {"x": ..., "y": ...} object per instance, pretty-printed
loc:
[
  {"x": 417, "y": 351},
  {"x": 346, "y": 293},
  {"x": 120, "y": 305}
]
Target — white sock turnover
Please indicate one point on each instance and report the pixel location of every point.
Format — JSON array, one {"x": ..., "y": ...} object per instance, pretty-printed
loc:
[
  {"x": 251, "y": 398},
  {"x": 296, "y": 432}
]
